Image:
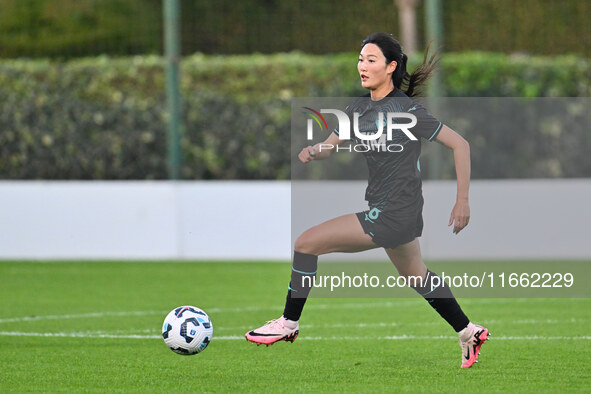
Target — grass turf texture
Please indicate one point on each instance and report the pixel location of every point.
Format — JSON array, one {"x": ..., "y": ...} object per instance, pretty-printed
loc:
[{"x": 354, "y": 345}]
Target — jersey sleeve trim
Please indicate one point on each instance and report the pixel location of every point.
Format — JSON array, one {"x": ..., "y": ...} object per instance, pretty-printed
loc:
[{"x": 436, "y": 131}]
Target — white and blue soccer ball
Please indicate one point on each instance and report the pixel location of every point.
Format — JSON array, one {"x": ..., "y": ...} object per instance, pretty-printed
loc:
[{"x": 187, "y": 330}]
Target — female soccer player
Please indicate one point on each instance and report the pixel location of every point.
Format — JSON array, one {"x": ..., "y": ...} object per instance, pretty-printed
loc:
[{"x": 394, "y": 194}]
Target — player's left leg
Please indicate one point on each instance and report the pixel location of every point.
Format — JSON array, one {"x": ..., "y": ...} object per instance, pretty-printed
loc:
[
  {"x": 341, "y": 234},
  {"x": 409, "y": 263}
]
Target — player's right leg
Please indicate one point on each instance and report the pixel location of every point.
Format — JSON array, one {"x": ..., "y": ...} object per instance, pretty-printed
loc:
[{"x": 342, "y": 234}]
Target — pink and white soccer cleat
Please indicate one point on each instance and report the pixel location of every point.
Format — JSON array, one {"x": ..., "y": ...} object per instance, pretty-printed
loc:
[
  {"x": 471, "y": 341},
  {"x": 274, "y": 331}
]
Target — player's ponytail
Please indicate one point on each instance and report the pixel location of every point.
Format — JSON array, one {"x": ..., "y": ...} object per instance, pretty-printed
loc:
[
  {"x": 408, "y": 83},
  {"x": 419, "y": 75}
]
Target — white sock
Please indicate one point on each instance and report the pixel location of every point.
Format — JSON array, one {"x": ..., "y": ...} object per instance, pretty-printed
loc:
[
  {"x": 291, "y": 324},
  {"x": 467, "y": 332}
]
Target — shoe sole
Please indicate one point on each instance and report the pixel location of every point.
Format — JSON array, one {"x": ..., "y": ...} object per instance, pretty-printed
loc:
[
  {"x": 483, "y": 338},
  {"x": 287, "y": 338}
]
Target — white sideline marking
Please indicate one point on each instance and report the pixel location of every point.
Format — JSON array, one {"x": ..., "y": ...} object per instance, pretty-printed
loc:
[
  {"x": 307, "y": 326},
  {"x": 75, "y": 335},
  {"x": 241, "y": 338},
  {"x": 278, "y": 307},
  {"x": 408, "y": 302}
]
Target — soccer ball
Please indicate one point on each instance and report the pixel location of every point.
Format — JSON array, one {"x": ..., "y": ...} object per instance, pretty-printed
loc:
[{"x": 187, "y": 330}]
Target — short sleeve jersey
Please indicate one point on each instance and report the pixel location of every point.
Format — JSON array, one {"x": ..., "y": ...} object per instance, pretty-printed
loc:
[{"x": 394, "y": 171}]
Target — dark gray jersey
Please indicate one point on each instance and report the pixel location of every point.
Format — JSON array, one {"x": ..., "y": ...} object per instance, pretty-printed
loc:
[{"x": 394, "y": 170}]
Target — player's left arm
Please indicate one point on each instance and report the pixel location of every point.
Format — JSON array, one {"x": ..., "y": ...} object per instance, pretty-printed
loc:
[{"x": 460, "y": 214}]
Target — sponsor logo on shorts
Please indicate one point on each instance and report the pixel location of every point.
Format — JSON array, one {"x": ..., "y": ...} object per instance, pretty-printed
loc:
[{"x": 372, "y": 215}]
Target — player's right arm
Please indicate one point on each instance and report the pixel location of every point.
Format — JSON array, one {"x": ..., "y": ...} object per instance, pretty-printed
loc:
[{"x": 321, "y": 150}]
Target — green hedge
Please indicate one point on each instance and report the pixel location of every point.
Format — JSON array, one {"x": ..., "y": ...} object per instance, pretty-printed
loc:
[{"x": 103, "y": 118}]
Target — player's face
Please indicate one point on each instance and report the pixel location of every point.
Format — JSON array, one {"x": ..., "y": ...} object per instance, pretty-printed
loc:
[{"x": 372, "y": 67}]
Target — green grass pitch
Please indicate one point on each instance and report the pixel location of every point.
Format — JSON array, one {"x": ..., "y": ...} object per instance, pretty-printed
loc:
[{"x": 95, "y": 326}]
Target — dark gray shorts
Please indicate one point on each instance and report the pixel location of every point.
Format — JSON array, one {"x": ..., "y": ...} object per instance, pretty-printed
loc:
[{"x": 390, "y": 228}]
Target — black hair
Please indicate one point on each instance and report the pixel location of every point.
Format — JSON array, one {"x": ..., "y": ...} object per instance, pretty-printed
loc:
[{"x": 392, "y": 50}]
